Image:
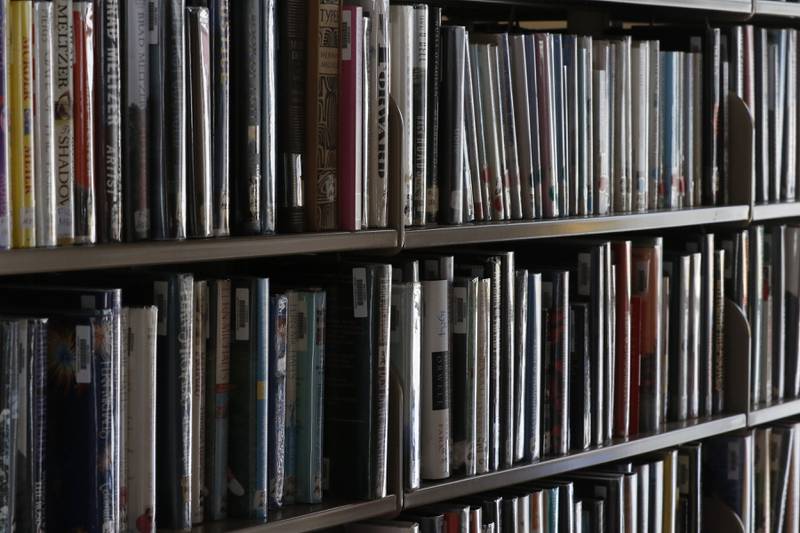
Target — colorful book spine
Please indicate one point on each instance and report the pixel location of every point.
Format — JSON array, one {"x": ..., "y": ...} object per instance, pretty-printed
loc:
[
  {"x": 248, "y": 400},
  {"x": 5, "y": 181},
  {"x": 21, "y": 138},
  {"x": 44, "y": 127},
  {"x": 276, "y": 445},
  {"x": 108, "y": 121},
  {"x": 83, "y": 111},
  {"x": 139, "y": 357},
  {"x": 65, "y": 139},
  {"x": 309, "y": 402},
  {"x": 218, "y": 360}
]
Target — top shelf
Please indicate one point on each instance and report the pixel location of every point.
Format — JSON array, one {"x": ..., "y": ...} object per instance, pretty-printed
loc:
[
  {"x": 717, "y": 6},
  {"x": 773, "y": 8}
]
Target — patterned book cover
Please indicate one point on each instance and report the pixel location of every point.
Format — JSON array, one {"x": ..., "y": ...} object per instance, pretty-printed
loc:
[
  {"x": 65, "y": 139},
  {"x": 277, "y": 397}
]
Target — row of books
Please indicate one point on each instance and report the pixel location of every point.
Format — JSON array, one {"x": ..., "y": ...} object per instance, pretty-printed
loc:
[
  {"x": 773, "y": 311},
  {"x": 180, "y": 399},
  {"x": 653, "y": 493},
  {"x": 604, "y": 339}
]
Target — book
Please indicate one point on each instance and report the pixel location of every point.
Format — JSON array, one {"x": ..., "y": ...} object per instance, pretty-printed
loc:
[
  {"x": 483, "y": 381},
  {"x": 310, "y": 360},
  {"x": 139, "y": 358},
  {"x": 269, "y": 91},
  {"x": 200, "y": 332},
  {"x": 734, "y": 455},
  {"x": 580, "y": 410},
  {"x": 135, "y": 96},
  {"x": 622, "y": 378},
  {"x": 555, "y": 297},
  {"x": 401, "y": 91},
  {"x": 276, "y": 403},
  {"x": 219, "y": 20},
  {"x": 322, "y": 97},
  {"x": 520, "y": 361},
  {"x": 199, "y": 151},
  {"x": 44, "y": 124},
  {"x": 350, "y": 171},
  {"x": 248, "y": 427},
  {"x": 175, "y": 118},
  {"x": 465, "y": 375},
  {"x": 434, "y": 70},
  {"x": 678, "y": 270},
  {"x": 217, "y": 398},
  {"x": 451, "y": 160},
  {"x": 420, "y": 62},
  {"x": 107, "y": 116},
  {"x": 173, "y": 296},
  {"x": 64, "y": 134},
  {"x": 21, "y": 139},
  {"x": 156, "y": 123},
  {"x": 533, "y": 369},
  {"x": 246, "y": 118}
]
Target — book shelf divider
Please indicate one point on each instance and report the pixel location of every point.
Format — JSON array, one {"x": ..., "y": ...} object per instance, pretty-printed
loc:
[
  {"x": 741, "y": 152},
  {"x": 719, "y": 518},
  {"x": 737, "y": 359}
]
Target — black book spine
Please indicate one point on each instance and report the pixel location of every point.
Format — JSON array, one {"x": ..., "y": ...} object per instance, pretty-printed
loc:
[
  {"x": 460, "y": 379},
  {"x": 246, "y": 117},
  {"x": 580, "y": 410},
  {"x": 108, "y": 121},
  {"x": 559, "y": 338},
  {"x": 219, "y": 12},
  {"x": 451, "y": 155},
  {"x": 37, "y": 427},
  {"x": 134, "y": 134},
  {"x": 507, "y": 346},
  {"x": 434, "y": 73},
  {"x": 174, "y": 299},
  {"x": 707, "y": 325},
  {"x": 718, "y": 394},
  {"x": 175, "y": 113},
  {"x": 547, "y": 380},
  {"x": 269, "y": 92},
  {"x": 156, "y": 123},
  {"x": 292, "y": 47}
]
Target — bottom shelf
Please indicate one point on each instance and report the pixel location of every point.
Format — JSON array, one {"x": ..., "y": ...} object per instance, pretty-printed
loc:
[
  {"x": 298, "y": 518},
  {"x": 674, "y": 433},
  {"x": 769, "y": 413}
]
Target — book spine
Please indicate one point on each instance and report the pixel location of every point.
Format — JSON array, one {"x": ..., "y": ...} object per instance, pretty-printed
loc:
[
  {"x": 580, "y": 411},
  {"x": 472, "y": 157},
  {"x": 601, "y": 140},
  {"x": 350, "y": 120},
  {"x": 44, "y": 141},
  {"x": 435, "y": 434},
  {"x": 520, "y": 361},
  {"x": 268, "y": 90},
  {"x": 461, "y": 379},
  {"x": 494, "y": 364},
  {"x": 219, "y": 15},
  {"x": 544, "y": 77},
  {"x": 200, "y": 327},
  {"x": 622, "y": 379},
  {"x": 520, "y": 66},
  {"x": 693, "y": 369},
  {"x": 134, "y": 119},
  {"x": 63, "y": 40},
  {"x": 14, "y": 339},
  {"x": 199, "y": 141},
  {"x": 82, "y": 112},
  {"x": 506, "y": 93},
  {"x": 310, "y": 383},
  {"x": 106, "y": 418},
  {"x": 218, "y": 359},
  {"x": 451, "y": 139},
  {"x": 434, "y": 70},
  {"x": 482, "y": 373},
  {"x": 176, "y": 113},
  {"x": 297, "y": 330},
  {"x": 108, "y": 121},
  {"x": 495, "y": 59},
  {"x": 420, "y": 84},
  {"x": 778, "y": 326},
  {"x": 379, "y": 70},
  {"x": 381, "y": 322},
  {"x": 38, "y": 428},
  {"x": 322, "y": 97},
  {"x": 640, "y": 75},
  {"x": 5, "y": 177},
  {"x": 21, "y": 138},
  {"x": 718, "y": 340},
  {"x": 276, "y": 446},
  {"x": 364, "y": 103},
  {"x": 484, "y": 172},
  {"x": 401, "y": 91},
  {"x": 559, "y": 336},
  {"x": 789, "y": 178},
  {"x": 156, "y": 119},
  {"x": 292, "y": 113},
  {"x": 533, "y": 369},
  {"x": 248, "y": 402},
  {"x": 139, "y": 357}
]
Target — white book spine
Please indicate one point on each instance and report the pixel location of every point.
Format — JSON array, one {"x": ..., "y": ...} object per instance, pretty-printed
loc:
[
  {"x": 688, "y": 134},
  {"x": 482, "y": 372},
  {"x": 366, "y": 94},
  {"x": 139, "y": 358},
  {"x": 790, "y": 168},
  {"x": 640, "y": 73},
  {"x": 379, "y": 81},
  {"x": 435, "y": 434},
  {"x": 62, "y": 115},
  {"x": 402, "y": 37},
  {"x": 44, "y": 128},
  {"x": 654, "y": 127},
  {"x": 602, "y": 157},
  {"x": 490, "y": 130}
]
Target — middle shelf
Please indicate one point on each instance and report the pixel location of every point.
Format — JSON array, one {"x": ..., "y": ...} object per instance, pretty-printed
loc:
[{"x": 674, "y": 433}]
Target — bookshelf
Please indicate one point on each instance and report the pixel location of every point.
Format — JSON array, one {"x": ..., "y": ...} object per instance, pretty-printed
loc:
[{"x": 740, "y": 415}]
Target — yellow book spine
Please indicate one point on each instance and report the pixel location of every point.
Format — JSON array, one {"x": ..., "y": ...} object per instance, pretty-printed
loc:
[{"x": 20, "y": 88}]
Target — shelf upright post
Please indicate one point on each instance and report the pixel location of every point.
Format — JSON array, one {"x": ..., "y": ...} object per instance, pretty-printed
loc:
[{"x": 737, "y": 363}]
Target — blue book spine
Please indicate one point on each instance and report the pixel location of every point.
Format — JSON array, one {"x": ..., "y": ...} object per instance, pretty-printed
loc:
[
  {"x": 260, "y": 478},
  {"x": 310, "y": 381},
  {"x": 277, "y": 398}
]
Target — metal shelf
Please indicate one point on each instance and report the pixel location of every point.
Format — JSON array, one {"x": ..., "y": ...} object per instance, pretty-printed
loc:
[
  {"x": 571, "y": 226},
  {"x": 299, "y": 518},
  {"x": 772, "y": 8},
  {"x": 762, "y": 415},
  {"x": 67, "y": 258},
  {"x": 775, "y": 211},
  {"x": 675, "y": 433}
]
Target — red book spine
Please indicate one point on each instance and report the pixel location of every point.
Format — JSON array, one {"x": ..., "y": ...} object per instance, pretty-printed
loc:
[
  {"x": 350, "y": 109},
  {"x": 82, "y": 77},
  {"x": 622, "y": 378},
  {"x": 637, "y": 319}
]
